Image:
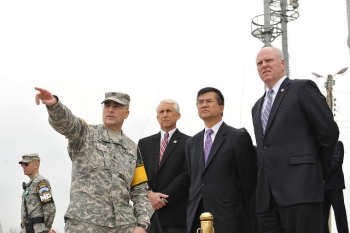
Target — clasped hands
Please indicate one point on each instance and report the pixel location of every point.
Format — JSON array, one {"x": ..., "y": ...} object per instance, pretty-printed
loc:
[{"x": 157, "y": 200}]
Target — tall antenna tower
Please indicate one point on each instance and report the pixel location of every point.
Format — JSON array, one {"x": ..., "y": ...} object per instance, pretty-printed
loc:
[
  {"x": 267, "y": 27},
  {"x": 277, "y": 14}
]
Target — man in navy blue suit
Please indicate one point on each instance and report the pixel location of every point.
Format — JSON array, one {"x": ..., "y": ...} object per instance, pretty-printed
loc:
[{"x": 296, "y": 135}]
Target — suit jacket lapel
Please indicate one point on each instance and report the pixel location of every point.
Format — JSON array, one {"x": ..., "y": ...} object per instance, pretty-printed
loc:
[
  {"x": 219, "y": 138},
  {"x": 198, "y": 145},
  {"x": 257, "y": 117},
  {"x": 155, "y": 151},
  {"x": 276, "y": 103},
  {"x": 171, "y": 145}
]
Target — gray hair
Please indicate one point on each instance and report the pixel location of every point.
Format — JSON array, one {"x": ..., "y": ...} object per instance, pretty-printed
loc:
[
  {"x": 169, "y": 101},
  {"x": 279, "y": 53}
]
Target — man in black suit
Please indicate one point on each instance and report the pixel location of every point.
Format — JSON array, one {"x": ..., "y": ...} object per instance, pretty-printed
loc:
[
  {"x": 333, "y": 189},
  {"x": 168, "y": 180},
  {"x": 296, "y": 136},
  {"x": 221, "y": 164}
]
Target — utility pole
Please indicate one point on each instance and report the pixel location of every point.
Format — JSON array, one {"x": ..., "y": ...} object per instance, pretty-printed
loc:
[
  {"x": 288, "y": 12},
  {"x": 329, "y": 88},
  {"x": 330, "y": 82},
  {"x": 267, "y": 28},
  {"x": 285, "y": 35}
]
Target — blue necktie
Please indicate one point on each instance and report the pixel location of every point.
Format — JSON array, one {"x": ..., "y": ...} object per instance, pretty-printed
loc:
[{"x": 267, "y": 110}]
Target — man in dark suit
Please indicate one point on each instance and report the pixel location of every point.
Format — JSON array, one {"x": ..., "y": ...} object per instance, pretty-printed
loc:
[
  {"x": 333, "y": 189},
  {"x": 168, "y": 180},
  {"x": 296, "y": 136},
  {"x": 221, "y": 163}
]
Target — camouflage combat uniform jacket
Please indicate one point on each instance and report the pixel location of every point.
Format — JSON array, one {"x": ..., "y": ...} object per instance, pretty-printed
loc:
[
  {"x": 102, "y": 172},
  {"x": 39, "y": 202}
]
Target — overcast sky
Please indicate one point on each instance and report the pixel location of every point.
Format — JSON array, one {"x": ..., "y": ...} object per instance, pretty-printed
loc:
[{"x": 151, "y": 50}]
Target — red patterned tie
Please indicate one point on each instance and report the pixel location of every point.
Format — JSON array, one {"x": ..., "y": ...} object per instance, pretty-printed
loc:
[{"x": 163, "y": 146}]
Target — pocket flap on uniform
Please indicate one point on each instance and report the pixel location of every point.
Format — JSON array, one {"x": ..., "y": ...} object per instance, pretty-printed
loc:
[{"x": 302, "y": 159}]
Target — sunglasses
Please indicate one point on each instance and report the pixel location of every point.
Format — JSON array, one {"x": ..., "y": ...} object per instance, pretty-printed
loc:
[{"x": 24, "y": 164}]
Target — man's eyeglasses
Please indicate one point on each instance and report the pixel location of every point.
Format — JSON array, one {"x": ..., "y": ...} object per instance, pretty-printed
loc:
[{"x": 24, "y": 164}]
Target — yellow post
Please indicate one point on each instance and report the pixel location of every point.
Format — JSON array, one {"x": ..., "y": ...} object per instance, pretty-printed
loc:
[{"x": 207, "y": 223}]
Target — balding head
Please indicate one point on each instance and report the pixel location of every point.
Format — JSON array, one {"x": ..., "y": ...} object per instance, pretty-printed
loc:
[{"x": 271, "y": 65}]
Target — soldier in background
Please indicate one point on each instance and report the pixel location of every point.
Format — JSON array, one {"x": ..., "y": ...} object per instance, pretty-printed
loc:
[
  {"x": 106, "y": 172},
  {"x": 38, "y": 208}
]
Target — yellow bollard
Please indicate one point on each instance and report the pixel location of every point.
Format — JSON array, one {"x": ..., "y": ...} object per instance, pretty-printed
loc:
[{"x": 207, "y": 223}]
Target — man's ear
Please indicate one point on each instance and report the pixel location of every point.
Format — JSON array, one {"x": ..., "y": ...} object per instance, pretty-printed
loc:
[{"x": 127, "y": 114}]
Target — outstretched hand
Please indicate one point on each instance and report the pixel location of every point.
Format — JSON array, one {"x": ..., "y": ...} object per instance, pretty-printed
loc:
[{"x": 45, "y": 97}]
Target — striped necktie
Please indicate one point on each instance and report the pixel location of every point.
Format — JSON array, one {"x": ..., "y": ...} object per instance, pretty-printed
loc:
[
  {"x": 163, "y": 146},
  {"x": 267, "y": 110}
]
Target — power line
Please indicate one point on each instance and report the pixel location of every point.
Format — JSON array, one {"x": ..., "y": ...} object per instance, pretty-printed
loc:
[{"x": 341, "y": 92}]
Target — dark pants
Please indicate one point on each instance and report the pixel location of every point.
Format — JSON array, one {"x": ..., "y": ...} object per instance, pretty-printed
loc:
[
  {"x": 156, "y": 226},
  {"x": 336, "y": 199},
  {"x": 299, "y": 218}
]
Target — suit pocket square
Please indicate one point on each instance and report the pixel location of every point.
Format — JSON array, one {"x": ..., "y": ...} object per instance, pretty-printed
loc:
[
  {"x": 302, "y": 159},
  {"x": 283, "y": 108}
]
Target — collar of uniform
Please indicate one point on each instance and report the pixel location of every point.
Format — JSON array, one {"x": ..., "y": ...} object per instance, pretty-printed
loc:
[
  {"x": 115, "y": 136},
  {"x": 28, "y": 184},
  {"x": 104, "y": 137},
  {"x": 171, "y": 132},
  {"x": 215, "y": 128},
  {"x": 276, "y": 87}
]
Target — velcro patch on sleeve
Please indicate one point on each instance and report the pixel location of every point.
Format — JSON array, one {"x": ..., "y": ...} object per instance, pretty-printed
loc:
[
  {"x": 44, "y": 191},
  {"x": 140, "y": 176}
]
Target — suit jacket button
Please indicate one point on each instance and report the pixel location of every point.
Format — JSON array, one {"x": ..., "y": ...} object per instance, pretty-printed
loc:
[
  {"x": 203, "y": 184},
  {"x": 265, "y": 147}
]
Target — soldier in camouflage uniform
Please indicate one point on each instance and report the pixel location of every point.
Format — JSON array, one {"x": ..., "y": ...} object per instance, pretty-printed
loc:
[
  {"x": 38, "y": 208},
  {"x": 106, "y": 171}
]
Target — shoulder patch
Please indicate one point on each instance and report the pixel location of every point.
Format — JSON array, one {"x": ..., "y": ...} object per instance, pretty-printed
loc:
[{"x": 43, "y": 189}]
